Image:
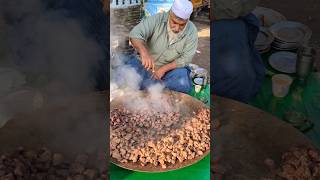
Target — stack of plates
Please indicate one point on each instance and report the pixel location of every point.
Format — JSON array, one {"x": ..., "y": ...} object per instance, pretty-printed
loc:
[
  {"x": 267, "y": 16},
  {"x": 264, "y": 40},
  {"x": 289, "y": 35},
  {"x": 283, "y": 61}
]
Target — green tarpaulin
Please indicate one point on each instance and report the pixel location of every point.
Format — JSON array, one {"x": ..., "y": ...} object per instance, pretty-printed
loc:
[
  {"x": 302, "y": 98},
  {"x": 200, "y": 170}
]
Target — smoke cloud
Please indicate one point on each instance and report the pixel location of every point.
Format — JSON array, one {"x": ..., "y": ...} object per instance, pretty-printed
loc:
[
  {"x": 46, "y": 41},
  {"x": 50, "y": 49},
  {"x": 52, "y": 56},
  {"x": 125, "y": 81}
]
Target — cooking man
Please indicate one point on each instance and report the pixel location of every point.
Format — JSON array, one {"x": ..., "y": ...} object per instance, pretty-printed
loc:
[
  {"x": 166, "y": 43},
  {"x": 236, "y": 66}
]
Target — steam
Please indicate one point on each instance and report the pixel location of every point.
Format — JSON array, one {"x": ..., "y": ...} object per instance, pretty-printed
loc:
[
  {"x": 155, "y": 91},
  {"x": 128, "y": 78},
  {"x": 46, "y": 42},
  {"x": 49, "y": 48},
  {"x": 126, "y": 82}
]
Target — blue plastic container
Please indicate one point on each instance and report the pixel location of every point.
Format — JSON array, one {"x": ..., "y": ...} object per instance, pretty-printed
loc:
[
  {"x": 153, "y": 7},
  {"x": 159, "y": 1}
]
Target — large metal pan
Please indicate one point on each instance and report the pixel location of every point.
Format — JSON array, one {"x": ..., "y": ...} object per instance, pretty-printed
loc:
[
  {"x": 186, "y": 105},
  {"x": 247, "y": 137},
  {"x": 69, "y": 125}
]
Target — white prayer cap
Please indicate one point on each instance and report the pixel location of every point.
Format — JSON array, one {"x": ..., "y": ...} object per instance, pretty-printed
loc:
[{"x": 182, "y": 9}]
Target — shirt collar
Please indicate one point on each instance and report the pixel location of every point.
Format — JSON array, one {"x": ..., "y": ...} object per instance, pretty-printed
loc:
[{"x": 166, "y": 16}]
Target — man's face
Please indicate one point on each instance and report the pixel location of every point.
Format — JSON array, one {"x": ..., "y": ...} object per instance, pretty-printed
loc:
[{"x": 176, "y": 24}]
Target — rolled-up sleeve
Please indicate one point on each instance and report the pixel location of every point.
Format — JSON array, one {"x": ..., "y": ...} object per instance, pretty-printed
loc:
[
  {"x": 144, "y": 29},
  {"x": 189, "y": 51}
]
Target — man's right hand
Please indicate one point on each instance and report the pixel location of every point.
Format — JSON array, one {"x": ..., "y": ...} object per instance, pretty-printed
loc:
[{"x": 147, "y": 61}]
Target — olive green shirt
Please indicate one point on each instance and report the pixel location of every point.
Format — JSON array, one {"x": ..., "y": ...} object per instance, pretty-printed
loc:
[{"x": 153, "y": 30}]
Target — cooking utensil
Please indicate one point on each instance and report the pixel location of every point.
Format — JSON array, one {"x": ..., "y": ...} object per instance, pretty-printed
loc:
[
  {"x": 243, "y": 135},
  {"x": 264, "y": 40},
  {"x": 291, "y": 31},
  {"x": 281, "y": 85},
  {"x": 265, "y": 37},
  {"x": 305, "y": 62},
  {"x": 186, "y": 105},
  {"x": 284, "y": 61},
  {"x": 70, "y": 125},
  {"x": 267, "y": 16}
]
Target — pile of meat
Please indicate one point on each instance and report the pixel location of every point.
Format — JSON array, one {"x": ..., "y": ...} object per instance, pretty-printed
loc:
[
  {"x": 297, "y": 163},
  {"x": 44, "y": 164},
  {"x": 158, "y": 138}
]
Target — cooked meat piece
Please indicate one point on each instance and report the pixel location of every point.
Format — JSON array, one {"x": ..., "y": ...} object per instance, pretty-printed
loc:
[
  {"x": 144, "y": 136},
  {"x": 39, "y": 165}
]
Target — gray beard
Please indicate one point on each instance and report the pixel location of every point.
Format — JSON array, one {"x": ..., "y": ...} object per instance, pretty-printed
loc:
[{"x": 173, "y": 36}]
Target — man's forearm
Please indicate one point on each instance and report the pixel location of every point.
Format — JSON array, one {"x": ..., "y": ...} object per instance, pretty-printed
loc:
[
  {"x": 139, "y": 45},
  {"x": 169, "y": 67}
]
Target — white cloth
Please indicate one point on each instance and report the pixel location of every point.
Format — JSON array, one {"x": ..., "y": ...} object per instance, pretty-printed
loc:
[{"x": 182, "y": 8}]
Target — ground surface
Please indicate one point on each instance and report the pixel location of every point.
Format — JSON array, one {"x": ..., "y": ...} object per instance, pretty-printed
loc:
[
  {"x": 306, "y": 12},
  {"x": 202, "y": 57}
]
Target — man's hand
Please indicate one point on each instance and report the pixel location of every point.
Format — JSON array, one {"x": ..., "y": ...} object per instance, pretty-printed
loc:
[
  {"x": 147, "y": 61},
  {"x": 164, "y": 69},
  {"x": 159, "y": 74}
]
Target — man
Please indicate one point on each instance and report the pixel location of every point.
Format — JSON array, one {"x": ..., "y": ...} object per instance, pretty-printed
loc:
[
  {"x": 166, "y": 43},
  {"x": 236, "y": 66}
]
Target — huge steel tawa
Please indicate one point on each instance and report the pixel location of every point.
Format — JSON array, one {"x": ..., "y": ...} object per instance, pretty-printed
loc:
[
  {"x": 186, "y": 105},
  {"x": 68, "y": 125},
  {"x": 247, "y": 137}
]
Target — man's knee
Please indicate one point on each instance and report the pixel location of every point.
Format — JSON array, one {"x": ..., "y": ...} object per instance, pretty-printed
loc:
[
  {"x": 186, "y": 81},
  {"x": 230, "y": 68},
  {"x": 185, "y": 84},
  {"x": 179, "y": 80},
  {"x": 233, "y": 72}
]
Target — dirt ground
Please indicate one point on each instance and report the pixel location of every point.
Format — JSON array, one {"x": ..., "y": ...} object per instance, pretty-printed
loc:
[
  {"x": 202, "y": 57},
  {"x": 306, "y": 12}
]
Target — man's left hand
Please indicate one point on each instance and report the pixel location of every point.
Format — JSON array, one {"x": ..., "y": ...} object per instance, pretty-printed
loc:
[{"x": 159, "y": 74}]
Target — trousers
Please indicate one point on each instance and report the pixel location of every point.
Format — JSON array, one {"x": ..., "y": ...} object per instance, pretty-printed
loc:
[
  {"x": 176, "y": 80},
  {"x": 237, "y": 70}
]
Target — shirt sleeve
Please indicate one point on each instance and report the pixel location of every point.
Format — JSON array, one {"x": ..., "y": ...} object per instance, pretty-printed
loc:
[
  {"x": 144, "y": 29},
  {"x": 189, "y": 51}
]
